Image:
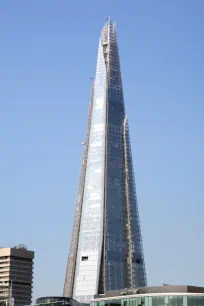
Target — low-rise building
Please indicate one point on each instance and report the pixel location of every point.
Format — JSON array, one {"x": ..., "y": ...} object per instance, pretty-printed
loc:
[
  {"x": 165, "y": 295},
  {"x": 57, "y": 301}
]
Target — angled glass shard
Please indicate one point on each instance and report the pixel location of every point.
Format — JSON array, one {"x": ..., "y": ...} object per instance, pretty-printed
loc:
[{"x": 106, "y": 250}]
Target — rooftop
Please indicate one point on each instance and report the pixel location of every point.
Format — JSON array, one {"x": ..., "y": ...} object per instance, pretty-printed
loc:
[{"x": 164, "y": 289}]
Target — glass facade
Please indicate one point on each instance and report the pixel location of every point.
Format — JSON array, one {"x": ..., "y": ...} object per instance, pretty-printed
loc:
[
  {"x": 53, "y": 300},
  {"x": 157, "y": 300},
  {"x": 56, "y": 301},
  {"x": 106, "y": 249},
  {"x": 91, "y": 226}
]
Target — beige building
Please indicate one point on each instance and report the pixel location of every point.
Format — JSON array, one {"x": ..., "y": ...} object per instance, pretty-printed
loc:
[
  {"x": 16, "y": 274},
  {"x": 5, "y": 298}
]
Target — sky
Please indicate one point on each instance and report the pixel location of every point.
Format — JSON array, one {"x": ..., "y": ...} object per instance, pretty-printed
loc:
[{"x": 48, "y": 53}]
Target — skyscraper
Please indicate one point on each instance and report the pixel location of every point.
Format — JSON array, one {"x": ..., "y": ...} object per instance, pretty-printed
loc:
[{"x": 106, "y": 250}]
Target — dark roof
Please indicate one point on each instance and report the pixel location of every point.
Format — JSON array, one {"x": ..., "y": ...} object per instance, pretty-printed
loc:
[
  {"x": 148, "y": 290},
  {"x": 63, "y": 300}
]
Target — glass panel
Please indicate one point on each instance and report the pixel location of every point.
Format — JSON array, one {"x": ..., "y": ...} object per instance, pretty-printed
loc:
[
  {"x": 195, "y": 300},
  {"x": 147, "y": 301},
  {"x": 180, "y": 301},
  {"x": 158, "y": 301},
  {"x": 91, "y": 226}
]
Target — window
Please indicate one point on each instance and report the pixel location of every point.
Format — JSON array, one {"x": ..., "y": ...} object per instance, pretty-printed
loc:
[{"x": 84, "y": 258}]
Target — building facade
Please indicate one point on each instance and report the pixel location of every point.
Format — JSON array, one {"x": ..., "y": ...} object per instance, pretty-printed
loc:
[
  {"x": 5, "y": 297},
  {"x": 16, "y": 274},
  {"x": 57, "y": 301},
  {"x": 153, "y": 296},
  {"x": 106, "y": 250}
]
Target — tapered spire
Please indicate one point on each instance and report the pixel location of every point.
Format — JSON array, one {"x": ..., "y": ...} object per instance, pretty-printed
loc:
[{"x": 106, "y": 250}]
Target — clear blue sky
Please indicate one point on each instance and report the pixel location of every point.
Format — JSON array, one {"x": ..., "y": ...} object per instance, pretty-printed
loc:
[{"x": 47, "y": 55}]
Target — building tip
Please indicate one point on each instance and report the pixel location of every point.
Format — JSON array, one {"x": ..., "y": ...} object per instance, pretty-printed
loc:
[{"x": 108, "y": 20}]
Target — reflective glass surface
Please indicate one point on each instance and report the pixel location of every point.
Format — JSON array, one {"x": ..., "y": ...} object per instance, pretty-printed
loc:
[
  {"x": 124, "y": 266},
  {"x": 159, "y": 300},
  {"x": 106, "y": 251},
  {"x": 91, "y": 226}
]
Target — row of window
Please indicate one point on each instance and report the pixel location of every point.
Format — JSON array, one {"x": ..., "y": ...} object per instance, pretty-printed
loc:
[{"x": 153, "y": 301}]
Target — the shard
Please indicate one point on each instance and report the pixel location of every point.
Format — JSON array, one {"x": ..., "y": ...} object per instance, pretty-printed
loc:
[{"x": 106, "y": 250}]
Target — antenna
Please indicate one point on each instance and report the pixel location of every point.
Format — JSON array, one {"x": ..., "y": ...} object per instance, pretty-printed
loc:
[{"x": 20, "y": 246}]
